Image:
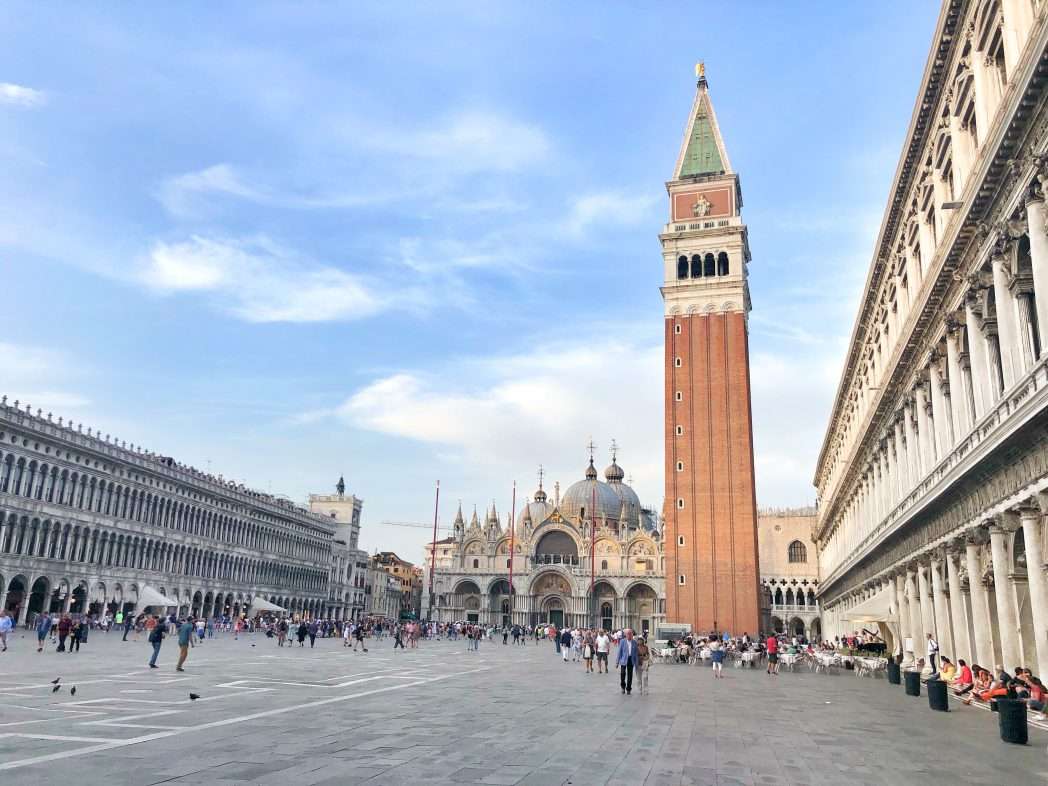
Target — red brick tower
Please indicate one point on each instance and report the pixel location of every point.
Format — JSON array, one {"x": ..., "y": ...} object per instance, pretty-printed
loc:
[{"x": 712, "y": 576}]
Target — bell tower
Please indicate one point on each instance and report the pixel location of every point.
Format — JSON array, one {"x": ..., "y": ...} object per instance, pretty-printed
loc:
[{"x": 712, "y": 576}]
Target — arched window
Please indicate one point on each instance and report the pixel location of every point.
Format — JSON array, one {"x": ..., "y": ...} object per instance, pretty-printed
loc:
[
  {"x": 696, "y": 266},
  {"x": 789, "y": 597},
  {"x": 709, "y": 266},
  {"x": 476, "y": 563},
  {"x": 797, "y": 552},
  {"x": 722, "y": 263},
  {"x": 778, "y": 597},
  {"x": 682, "y": 267},
  {"x": 603, "y": 564}
]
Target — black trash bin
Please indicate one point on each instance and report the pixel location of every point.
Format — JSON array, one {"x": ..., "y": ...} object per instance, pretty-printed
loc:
[
  {"x": 1011, "y": 717},
  {"x": 894, "y": 673},
  {"x": 937, "y": 698},
  {"x": 913, "y": 683}
]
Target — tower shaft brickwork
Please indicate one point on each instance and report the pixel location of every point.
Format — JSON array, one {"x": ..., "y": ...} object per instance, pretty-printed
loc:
[{"x": 712, "y": 575}]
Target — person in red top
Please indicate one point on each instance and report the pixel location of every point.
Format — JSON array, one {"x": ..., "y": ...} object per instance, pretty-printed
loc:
[
  {"x": 964, "y": 680},
  {"x": 773, "y": 654}
]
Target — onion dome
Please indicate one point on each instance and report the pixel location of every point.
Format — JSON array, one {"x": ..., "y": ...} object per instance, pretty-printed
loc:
[{"x": 614, "y": 473}]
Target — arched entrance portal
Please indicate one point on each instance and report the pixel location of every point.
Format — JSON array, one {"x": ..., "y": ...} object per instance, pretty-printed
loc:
[
  {"x": 640, "y": 608},
  {"x": 500, "y": 603},
  {"x": 554, "y": 608}
]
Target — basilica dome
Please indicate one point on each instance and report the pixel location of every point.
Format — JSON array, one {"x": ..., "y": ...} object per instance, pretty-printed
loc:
[{"x": 579, "y": 499}]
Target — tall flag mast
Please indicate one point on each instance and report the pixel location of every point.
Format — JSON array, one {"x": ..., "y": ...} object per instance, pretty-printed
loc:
[
  {"x": 512, "y": 551},
  {"x": 433, "y": 552}
]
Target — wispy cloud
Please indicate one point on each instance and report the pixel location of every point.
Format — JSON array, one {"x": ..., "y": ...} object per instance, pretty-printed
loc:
[
  {"x": 258, "y": 281},
  {"x": 610, "y": 209},
  {"x": 19, "y": 95},
  {"x": 36, "y": 374}
]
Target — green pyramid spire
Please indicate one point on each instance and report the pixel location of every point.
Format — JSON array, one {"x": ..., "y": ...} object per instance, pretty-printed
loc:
[{"x": 702, "y": 157}]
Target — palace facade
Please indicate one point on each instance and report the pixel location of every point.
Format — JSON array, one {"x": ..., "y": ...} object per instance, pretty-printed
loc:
[
  {"x": 592, "y": 557},
  {"x": 86, "y": 522},
  {"x": 933, "y": 476}
]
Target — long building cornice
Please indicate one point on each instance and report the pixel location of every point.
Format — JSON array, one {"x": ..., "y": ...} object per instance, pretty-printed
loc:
[
  {"x": 995, "y": 172},
  {"x": 909, "y": 162}
]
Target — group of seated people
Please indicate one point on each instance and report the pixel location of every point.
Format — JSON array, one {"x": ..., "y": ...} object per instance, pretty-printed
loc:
[{"x": 975, "y": 682}]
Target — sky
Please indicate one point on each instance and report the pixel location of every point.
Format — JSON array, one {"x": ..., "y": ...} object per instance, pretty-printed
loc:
[{"x": 285, "y": 242}]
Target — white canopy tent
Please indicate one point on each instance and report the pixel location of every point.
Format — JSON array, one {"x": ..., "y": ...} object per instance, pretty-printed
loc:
[
  {"x": 147, "y": 596},
  {"x": 878, "y": 609},
  {"x": 261, "y": 604}
]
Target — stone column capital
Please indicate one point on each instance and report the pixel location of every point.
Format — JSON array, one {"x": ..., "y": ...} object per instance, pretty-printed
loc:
[
  {"x": 1004, "y": 523},
  {"x": 1029, "y": 509},
  {"x": 979, "y": 535}
]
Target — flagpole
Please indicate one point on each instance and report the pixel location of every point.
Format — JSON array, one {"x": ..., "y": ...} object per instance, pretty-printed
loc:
[
  {"x": 512, "y": 532},
  {"x": 433, "y": 553}
]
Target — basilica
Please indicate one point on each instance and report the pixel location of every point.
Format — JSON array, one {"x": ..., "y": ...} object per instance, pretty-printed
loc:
[{"x": 590, "y": 557}]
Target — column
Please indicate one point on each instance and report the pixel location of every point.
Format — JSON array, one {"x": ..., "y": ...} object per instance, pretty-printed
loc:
[
  {"x": 1030, "y": 516},
  {"x": 942, "y": 613},
  {"x": 963, "y": 416},
  {"x": 924, "y": 429},
  {"x": 962, "y": 645},
  {"x": 902, "y": 467},
  {"x": 995, "y": 364},
  {"x": 927, "y": 610},
  {"x": 916, "y": 624},
  {"x": 904, "y": 619},
  {"x": 1036, "y": 228},
  {"x": 940, "y": 410},
  {"x": 1006, "y": 327},
  {"x": 913, "y": 455},
  {"x": 1004, "y": 592},
  {"x": 978, "y": 355},
  {"x": 1028, "y": 346},
  {"x": 980, "y": 608},
  {"x": 888, "y": 585}
]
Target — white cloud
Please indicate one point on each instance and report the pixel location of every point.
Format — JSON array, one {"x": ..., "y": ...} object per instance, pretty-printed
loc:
[
  {"x": 259, "y": 282},
  {"x": 468, "y": 142},
  {"x": 179, "y": 193},
  {"x": 31, "y": 375},
  {"x": 19, "y": 95},
  {"x": 609, "y": 209},
  {"x": 506, "y": 414}
]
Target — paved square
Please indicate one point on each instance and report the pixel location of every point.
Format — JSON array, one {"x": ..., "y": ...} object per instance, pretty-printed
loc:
[{"x": 439, "y": 714}]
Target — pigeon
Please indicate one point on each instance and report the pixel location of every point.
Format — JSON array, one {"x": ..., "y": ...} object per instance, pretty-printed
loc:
[
  {"x": 193, "y": 697},
  {"x": 56, "y": 688},
  {"x": 72, "y": 691},
  {"x": 56, "y": 680}
]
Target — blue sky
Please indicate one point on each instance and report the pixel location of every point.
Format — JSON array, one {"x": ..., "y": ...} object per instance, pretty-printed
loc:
[{"x": 293, "y": 241}]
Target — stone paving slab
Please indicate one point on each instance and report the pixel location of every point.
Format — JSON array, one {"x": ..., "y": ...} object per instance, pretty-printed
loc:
[{"x": 439, "y": 714}]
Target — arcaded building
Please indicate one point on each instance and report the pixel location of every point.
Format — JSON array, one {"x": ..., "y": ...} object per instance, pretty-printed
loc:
[
  {"x": 712, "y": 575},
  {"x": 789, "y": 571},
  {"x": 933, "y": 476},
  {"x": 87, "y": 521}
]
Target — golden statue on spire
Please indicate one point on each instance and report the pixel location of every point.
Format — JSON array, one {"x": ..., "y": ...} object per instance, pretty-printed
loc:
[{"x": 700, "y": 70}]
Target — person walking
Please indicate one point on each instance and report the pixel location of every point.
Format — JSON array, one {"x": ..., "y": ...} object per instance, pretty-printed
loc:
[
  {"x": 359, "y": 639},
  {"x": 626, "y": 660},
  {"x": 129, "y": 622},
  {"x": 6, "y": 624},
  {"x": 78, "y": 634},
  {"x": 717, "y": 655},
  {"x": 772, "y": 645},
  {"x": 603, "y": 643},
  {"x": 64, "y": 626},
  {"x": 43, "y": 627},
  {"x": 185, "y": 641},
  {"x": 565, "y": 643},
  {"x": 281, "y": 632},
  {"x": 643, "y": 664},
  {"x": 313, "y": 627},
  {"x": 587, "y": 653},
  {"x": 396, "y": 638},
  {"x": 303, "y": 630},
  {"x": 156, "y": 638}
]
